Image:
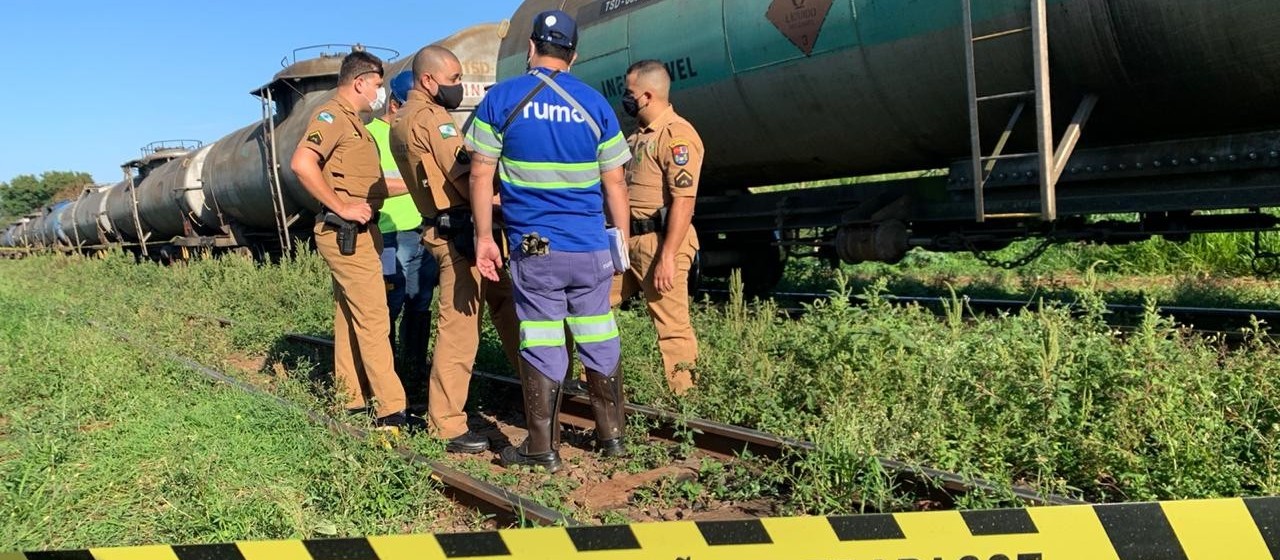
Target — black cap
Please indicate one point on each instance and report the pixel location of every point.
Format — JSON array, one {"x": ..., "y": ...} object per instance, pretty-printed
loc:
[{"x": 557, "y": 28}]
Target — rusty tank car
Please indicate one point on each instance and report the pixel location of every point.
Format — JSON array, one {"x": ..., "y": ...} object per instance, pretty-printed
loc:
[
  {"x": 237, "y": 191},
  {"x": 995, "y": 120}
]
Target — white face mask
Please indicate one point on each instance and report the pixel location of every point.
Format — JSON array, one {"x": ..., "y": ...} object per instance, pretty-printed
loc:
[{"x": 379, "y": 100}]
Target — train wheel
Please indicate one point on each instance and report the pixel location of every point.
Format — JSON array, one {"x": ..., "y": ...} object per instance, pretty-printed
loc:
[{"x": 755, "y": 253}]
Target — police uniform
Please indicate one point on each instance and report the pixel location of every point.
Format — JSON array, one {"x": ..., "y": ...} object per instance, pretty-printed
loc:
[
  {"x": 410, "y": 275},
  {"x": 363, "y": 363},
  {"x": 428, "y": 149},
  {"x": 667, "y": 165}
]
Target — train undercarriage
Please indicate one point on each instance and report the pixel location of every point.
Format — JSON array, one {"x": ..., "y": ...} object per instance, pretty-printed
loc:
[{"x": 1111, "y": 195}]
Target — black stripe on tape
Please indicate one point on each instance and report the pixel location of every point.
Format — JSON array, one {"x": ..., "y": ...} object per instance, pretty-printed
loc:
[
  {"x": 60, "y": 555},
  {"x": 1266, "y": 515},
  {"x": 999, "y": 522},
  {"x": 340, "y": 549},
  {"x": 207, "y": 552},
  {"x": 747, "y": 531},
  {"x": 619, "y": 537},
  {"x": 467, "y": 545},
  {"x": 865, "y": 527},
  {"x": 1140, "y": 532}
]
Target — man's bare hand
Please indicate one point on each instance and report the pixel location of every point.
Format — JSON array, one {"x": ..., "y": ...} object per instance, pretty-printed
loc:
[
  {"x": 664, "y": 274},
  {"x": 488, "y": 258},
  {"x": 358, "y": 212}
]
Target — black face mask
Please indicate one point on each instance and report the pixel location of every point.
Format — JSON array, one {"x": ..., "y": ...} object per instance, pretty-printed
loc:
[
  {"x": 449, "y": 97},
  {"x": 630, "y": 105}
]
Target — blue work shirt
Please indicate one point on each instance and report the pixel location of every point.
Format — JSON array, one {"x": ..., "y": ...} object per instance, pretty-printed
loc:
[{"x": 550, "y": 160}]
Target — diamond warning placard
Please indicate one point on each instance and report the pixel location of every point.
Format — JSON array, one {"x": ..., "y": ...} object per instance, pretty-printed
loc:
[{"x": 799, "y": 20}]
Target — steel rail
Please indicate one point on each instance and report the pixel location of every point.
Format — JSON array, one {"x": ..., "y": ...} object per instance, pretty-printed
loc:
[
  {"x": 1178, "y": 312},
  {"x": 464, "y": 488},
  {"x": 726, "y": 439}
]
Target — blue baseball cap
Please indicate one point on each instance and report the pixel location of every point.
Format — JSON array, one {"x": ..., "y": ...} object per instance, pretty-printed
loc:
[
  {"x": 400, "y": 86},
  {"x": 557, "y": 28}
]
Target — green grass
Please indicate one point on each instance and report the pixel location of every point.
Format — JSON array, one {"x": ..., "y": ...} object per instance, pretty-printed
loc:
[
  {"x": 1049, "y": 398},
  {"x": 1210, "y": 270},
  {"x": 106, "y": 444}
]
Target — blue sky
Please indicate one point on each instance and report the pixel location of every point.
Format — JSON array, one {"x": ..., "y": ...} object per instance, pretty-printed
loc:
[{"x": 86, "y": 83}]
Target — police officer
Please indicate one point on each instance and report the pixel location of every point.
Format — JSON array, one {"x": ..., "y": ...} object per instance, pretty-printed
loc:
[
  {"x": 662, "y": 182},
  {"x": 555, "y": 144},
  {"x": 337, "y": 163},
  {"x": 427, "y": 146},
  {"x": 410, "y": 272}
]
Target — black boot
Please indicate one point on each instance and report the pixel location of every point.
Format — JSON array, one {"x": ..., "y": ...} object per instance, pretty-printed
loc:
[
  {"x": 542, "y": 418},
  {"x": 608, "y": 403}
]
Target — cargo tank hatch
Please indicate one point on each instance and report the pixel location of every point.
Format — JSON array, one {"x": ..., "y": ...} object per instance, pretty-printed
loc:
[{"x": 310, "y": 74}]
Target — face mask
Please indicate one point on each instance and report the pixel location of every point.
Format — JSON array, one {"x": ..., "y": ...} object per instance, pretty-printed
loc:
[
  {"x": 379, "y": 100},
  {"x": 630, "y": 105},
  {"x": 449, "y": 97}
]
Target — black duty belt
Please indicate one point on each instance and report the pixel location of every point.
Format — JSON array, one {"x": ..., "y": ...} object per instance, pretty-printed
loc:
[
  {"x": 652, "y": 224},
  {"x": 451, "y": 218}
]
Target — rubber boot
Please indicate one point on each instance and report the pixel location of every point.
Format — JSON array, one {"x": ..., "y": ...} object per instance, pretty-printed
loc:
[
  {"x": 542, "y": 418},
  {"x": 609, "y": 405}
]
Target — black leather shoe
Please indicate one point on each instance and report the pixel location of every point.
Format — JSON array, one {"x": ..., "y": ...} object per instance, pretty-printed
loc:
[
  {"x": 574, "y": 387},
  {"x": 515, "y": 456},
  {"x": 611, "y": 447},
  {"x": 469, "y": 442}
]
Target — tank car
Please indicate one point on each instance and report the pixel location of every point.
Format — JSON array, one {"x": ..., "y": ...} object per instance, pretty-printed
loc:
[
  {"x": 1172, "y": 104},
  {"x": 88, "y": 216},
  {"x": 234, "y": 191}
]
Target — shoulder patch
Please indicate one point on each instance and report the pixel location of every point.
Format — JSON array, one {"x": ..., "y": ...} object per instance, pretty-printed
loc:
[
  {"x": 315, "y": 137},
  {"x": 448, "y": 130},
  {"x": 325, "y": 117},
  {"x": 680, "y": 152},
  {"x": 462, "y": 156},
  {"x": 684, "y": 179}
]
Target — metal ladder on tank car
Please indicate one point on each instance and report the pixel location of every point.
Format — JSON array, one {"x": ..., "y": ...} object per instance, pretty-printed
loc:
[
  {"x": 272, "y": 164},
  {"x": 1050, "y": 162}
]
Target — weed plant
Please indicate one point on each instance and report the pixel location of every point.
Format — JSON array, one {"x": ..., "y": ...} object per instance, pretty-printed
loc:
[
  {"x": 1055, "y": 398},
  {"x": 105, "y": 443}
]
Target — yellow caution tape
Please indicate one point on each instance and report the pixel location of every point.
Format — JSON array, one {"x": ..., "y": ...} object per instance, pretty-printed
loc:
[{"x": 1235, "y": 529}]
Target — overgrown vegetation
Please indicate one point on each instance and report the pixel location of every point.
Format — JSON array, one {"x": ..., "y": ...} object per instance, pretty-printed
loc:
[
  {"x": 1056, "y": 399},
  {"x": 1061, "y": 401},
  {"x": 104, "y": 442},
  {"x": 1207, "y": 270}
]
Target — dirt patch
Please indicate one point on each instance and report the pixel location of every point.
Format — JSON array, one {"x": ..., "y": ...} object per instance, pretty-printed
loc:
[
  {"x": 247, "y": 363},
  {"x": 92, "y": 426},
  {"x": 617, "y": 490},
  {"x": 592, "y": 487}
]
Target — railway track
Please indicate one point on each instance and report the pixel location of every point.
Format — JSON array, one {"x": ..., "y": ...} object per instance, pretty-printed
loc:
[
  {"x": 727, "y": 441},
  {"x": 1206, "y": 320},
  {"x": 463, "y": 488}
]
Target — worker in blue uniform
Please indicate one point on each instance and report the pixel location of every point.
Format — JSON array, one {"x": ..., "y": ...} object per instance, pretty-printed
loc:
[{"x": 556, "y": 147}]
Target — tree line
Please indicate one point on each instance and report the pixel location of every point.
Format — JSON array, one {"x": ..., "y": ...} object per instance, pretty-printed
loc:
[{"x": 26, "y": 193}]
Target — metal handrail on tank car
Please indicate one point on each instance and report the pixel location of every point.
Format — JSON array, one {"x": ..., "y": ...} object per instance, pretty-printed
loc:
[
  {"x": 293, "y": 58},
  {"x": 184, "y": 144}
]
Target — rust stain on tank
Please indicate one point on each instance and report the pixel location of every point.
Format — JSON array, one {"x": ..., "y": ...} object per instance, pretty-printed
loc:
[{"x": 800, "y": 21}]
